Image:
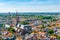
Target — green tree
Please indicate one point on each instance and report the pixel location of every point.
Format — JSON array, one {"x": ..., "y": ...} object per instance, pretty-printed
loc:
[
  {"x": 50, "y": 31},
  {"x": 43, "y": 26},
  {"x": 58, "y": 37},
  {"x": 11, "y": 30},
  {"x": 24, "y": 23}
]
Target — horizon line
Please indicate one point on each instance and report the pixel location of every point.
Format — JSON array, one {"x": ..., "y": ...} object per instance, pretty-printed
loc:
[{"x": 30, "y": 12}]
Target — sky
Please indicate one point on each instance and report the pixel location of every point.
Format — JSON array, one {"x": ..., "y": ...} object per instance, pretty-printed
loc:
[{"x": 30, "y": 5}]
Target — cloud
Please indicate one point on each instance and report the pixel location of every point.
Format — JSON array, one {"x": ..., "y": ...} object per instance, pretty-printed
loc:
[
  {"x": 31, "y": 9},
  {"x": 31, "y": 6}
]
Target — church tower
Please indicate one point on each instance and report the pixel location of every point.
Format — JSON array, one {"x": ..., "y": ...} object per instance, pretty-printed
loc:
[{"x": 17, "y": 18}]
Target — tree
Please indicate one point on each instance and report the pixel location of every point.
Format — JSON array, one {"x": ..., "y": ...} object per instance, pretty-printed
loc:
[
  {"x": 50, "y": 31},
  {"x": 24, "y": 23},
  {"x": 11, "y": 30},
  {"x": 43, "y": 26},
  {"x": 58, "y": 37}
]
